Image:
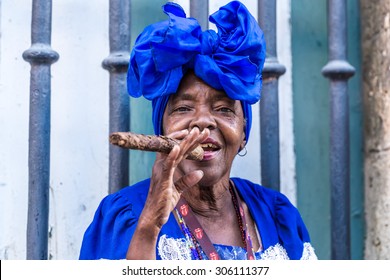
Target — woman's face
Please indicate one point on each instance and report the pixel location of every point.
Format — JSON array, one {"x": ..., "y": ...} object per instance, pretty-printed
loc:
[{"x": 197, "y": 104}]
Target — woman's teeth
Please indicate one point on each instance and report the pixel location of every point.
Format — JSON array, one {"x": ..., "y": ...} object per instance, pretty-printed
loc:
[{"x": 209, "y": 146}]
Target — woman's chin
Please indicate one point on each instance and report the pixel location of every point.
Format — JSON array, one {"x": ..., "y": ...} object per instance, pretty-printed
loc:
[
  {"x": 215, "y": 167},
  {"x": 214, "y": 174}
]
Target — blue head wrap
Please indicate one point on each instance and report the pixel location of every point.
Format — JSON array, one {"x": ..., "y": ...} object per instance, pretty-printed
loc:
[{"x": 230, "y": 60}]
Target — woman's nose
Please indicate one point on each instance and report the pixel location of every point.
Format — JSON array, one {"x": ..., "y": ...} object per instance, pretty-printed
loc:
[{"x": 203, "y": 119}]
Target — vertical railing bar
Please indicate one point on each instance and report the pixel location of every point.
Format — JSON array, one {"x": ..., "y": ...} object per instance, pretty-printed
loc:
[
  {"x": 269, "y": 103},
  {"x": 338, "y": 70},
  {"x": 119, "y": 112},
  {"x": 199, "y": 9},
  {"x": 40, "y": 56}
]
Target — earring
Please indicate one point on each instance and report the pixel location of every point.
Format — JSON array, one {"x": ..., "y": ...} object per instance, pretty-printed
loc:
[{"x": 245, "y": 152}]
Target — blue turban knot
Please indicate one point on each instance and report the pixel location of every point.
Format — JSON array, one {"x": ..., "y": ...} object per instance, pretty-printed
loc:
[{"x": 230, "y": 60}]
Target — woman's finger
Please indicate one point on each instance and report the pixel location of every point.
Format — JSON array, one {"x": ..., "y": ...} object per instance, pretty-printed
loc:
[
  {"x": 191, "y": 141},
  {"x": 163, "y": 168},
  {"x": 178, "y": 135},
  {"x": 188, "y": 180}
]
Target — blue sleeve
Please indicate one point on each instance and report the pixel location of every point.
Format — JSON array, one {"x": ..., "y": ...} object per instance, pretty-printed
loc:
[
  {"x": 109, "y": 234},
  {"x": 278, "y": 220},
  {"x": 290, "y": 226}
]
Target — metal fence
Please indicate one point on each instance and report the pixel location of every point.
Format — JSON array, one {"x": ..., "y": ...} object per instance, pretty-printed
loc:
[
  {"x": 41, "y": 56},
  {"x": 338, "y": 70}
]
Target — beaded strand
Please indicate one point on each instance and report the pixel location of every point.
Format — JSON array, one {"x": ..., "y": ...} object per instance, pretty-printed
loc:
[
  {"x": 240, "y": 223},
  {"x": 189, "y": 236},
  {"x": 246, "y": 238}
]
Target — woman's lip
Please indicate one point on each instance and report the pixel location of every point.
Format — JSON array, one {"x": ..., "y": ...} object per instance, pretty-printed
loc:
[
  {"x": 210, "y": 140},
  {"x": 209, "y": 155}
]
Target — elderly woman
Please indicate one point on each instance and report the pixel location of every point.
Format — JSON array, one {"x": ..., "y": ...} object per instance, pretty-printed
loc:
[{"x": 201, "y": 85}]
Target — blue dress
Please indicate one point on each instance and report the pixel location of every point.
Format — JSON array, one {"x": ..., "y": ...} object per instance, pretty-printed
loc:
[{"x": 279, "y": 224}]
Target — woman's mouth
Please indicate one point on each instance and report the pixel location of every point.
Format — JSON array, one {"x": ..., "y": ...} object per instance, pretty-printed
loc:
[{"x": 211, "y": 149}]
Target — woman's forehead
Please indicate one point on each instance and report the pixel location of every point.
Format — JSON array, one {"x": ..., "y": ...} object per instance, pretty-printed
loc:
[
  {"x": 193, "y": 95},
  {"x": 192, "y": 87}
]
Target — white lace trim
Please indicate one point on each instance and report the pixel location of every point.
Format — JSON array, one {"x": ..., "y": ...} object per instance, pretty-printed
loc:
[
  {"x": 276, "y": 252},
  {"x": 173, "y": 249},
  {"x": 308, "y": 252},
  {"x": 178, "y": 249}
]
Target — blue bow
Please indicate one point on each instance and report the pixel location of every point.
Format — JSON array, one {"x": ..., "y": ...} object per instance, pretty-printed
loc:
[{"x": 230, "y": 60}]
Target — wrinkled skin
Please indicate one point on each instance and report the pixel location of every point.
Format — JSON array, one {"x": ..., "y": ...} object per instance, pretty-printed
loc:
[{"x": 196, "y": 114}]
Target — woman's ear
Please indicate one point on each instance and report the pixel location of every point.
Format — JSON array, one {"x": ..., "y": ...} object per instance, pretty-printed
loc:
[{"x": 243, "y": 143}]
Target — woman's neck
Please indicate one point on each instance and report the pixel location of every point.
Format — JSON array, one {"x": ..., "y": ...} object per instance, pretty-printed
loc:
[{"x": 210, "y": 202}]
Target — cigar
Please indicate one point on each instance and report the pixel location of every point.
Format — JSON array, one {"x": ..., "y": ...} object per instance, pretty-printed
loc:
[{"x": 152, "y": 143}]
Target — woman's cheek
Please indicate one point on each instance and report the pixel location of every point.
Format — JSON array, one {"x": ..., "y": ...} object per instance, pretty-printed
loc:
[
  {"x": 233, "y": 131},
  {"x": 175, "y": 124}
]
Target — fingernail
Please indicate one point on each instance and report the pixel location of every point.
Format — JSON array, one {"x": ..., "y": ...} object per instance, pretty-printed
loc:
[{"x": 193, "y": 129}]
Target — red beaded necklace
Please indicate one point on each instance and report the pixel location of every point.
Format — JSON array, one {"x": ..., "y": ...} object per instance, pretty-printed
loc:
[
  {"x": 193, "y": 230},
  {"x": 246, "y": 239}
]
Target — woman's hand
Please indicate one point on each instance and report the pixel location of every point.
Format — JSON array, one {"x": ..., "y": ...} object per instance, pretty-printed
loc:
[{"x": 164, "y": 193}]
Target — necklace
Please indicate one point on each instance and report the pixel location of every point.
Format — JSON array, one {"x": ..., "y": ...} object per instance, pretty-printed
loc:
[
  {"x": 195, "y": 234},
  {"x": 246, "y": 238}
]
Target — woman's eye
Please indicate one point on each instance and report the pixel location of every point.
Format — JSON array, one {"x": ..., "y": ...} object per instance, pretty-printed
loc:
[
  {"x": 181, "y": 109},
  {"x": 225, "y": 110}
]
